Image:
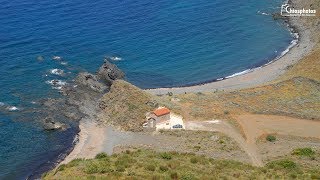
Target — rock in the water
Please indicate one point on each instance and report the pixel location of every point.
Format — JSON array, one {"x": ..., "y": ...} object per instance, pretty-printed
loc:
[
  {"x": 50, "y": 124},
  {"x": 90, "y": 81},
  {"x": 109, "y": 72}
]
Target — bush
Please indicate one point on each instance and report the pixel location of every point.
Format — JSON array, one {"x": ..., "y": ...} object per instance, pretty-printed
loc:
[
  {"x": 226, "y": 112},
  {"x": 303, "y": 152},
  {"x": 163, "y": 168},
  {"x": 61, "y": 167},
  {"x": 91, "y": 168},
  {"x": 166, "y": 155},
  {"x": 271, "y": 138},
  {"x": 101, "y": 155},
  {"x": 151, "y": 167},
  {"x": 197, "y": 148},
  {"x": 194, "y": 160},
  {"x": 74, "y": 162},
  {"x": 282, "y": 164}
]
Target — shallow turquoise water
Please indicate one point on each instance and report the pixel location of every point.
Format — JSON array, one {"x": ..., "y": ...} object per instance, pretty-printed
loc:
[{"x": 161, "y": 44}]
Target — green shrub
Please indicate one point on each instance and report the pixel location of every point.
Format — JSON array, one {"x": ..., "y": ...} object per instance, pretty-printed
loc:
[
  {"x": 91, "y": 168},
  {"x": 194, "y": 160},
  {"x": 226, "y": 112},
  {"x": 150, "y": 167},
  {"x": 101, "y": 155},
  {"x": 163, "y": 168},
  {"x": 166, "y": 155},
  {"x": 75, "y": 162},
  {"x": 271, "y": 138},
  {"x": 282, "y": 164},
  {"x": 303, "y": 152},
  {"x": 197, "y": 148},
  {"x": 61, "y": 167}
]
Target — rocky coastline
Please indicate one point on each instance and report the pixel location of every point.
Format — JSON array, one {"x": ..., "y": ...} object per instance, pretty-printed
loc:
[{"x": 79, "y": 102}]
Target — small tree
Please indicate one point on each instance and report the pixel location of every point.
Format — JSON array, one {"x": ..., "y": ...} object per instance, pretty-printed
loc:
[{"x": 271, "y": 138}]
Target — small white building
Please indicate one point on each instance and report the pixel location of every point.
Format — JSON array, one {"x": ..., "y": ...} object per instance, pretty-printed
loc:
[{"x": 162, "y": 118}]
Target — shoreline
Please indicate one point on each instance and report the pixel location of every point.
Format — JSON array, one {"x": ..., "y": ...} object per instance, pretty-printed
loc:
[
  {"x": 89, "y": 141},
  {"x": 92, "y": 137},
  {"x": 299, "y": 47}
]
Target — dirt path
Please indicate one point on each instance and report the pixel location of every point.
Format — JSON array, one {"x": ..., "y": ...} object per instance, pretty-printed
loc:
[
  {"x": 227, "y": 129},
  {"x": 256, "y": 125}
]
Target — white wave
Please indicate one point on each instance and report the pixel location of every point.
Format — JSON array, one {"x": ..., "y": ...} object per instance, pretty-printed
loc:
[
  {"x": 58, "y": 87},
  {"x": 57, "y": 71},
  {"x": 219, "y": 79},
  {"x": 239, "y": 73},
  {"x": 292, "y": 44},
  {"x": 58, "y": 58},
  {"x": 2, "y": 104},
  {"x": 64, "y": 63},
  {"x": 115, "y": 58},
  {"x": 56, "y": 82},
  {"x": 12, "y": 108},
  {"x": 263, "y": 13}
]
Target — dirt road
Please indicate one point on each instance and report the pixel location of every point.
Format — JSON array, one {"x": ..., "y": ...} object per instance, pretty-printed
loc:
[
  {"x": 227, "y": 129},
  {"x": 255, "y": 126}
]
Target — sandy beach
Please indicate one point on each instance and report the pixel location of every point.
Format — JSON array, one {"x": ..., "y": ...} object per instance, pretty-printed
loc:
[
  {"x": 94, "y": 138},
  {"x": 257, "y": 76}
]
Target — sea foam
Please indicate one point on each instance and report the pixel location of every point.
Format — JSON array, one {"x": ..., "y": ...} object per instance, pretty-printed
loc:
[
  {"x": 12, "y": 108},
  {"x": 58, "y": 72},
  {"x": 239, "y": 73},
  {"x": 56, "y": 82}
]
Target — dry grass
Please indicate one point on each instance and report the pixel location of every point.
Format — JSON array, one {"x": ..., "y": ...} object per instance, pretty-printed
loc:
[
  {"x": 125, "y": 106},
  {"x": 146, "y": 164}
]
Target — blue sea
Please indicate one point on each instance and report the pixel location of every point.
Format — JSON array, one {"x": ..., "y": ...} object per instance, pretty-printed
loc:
[{"x": 162, "y": 43}]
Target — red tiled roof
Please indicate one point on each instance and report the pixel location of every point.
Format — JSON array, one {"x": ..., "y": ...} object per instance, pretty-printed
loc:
[{"x": 161, "y": 111}]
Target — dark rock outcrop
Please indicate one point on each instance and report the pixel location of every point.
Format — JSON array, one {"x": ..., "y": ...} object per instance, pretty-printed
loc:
[
  {"x": 81, "y": 98},
  {"x": 49, "y": 124},
  {"x": 90, "y": 81},
  {"x": 109, "y": 72}
]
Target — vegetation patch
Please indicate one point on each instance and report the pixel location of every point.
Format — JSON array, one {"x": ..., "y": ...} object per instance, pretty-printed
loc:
[
  {"x": 101, "y": 155},
  {"x": 303, "y": 152},
  {"x": 149, "y": 164},
  {"x": 271, "y": 138},
  {"x": 282, "y": 164}
]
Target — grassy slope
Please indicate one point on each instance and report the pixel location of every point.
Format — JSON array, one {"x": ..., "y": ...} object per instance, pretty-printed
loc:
[
  {"x": 146, "y": 164},
  {"x": 125, "y": 106},
  {"x": 298, "y": 97}
]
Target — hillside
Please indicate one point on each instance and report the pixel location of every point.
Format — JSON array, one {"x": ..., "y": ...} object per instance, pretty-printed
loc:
[
  {"x": 146, "y": 164},
  {"x": 125, "y": 106}
]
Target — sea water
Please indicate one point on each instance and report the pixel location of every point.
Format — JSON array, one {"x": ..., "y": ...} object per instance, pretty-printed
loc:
[{"x": 162, "y": 43}]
